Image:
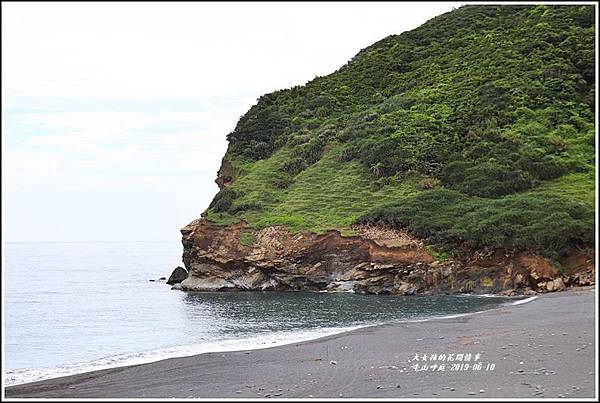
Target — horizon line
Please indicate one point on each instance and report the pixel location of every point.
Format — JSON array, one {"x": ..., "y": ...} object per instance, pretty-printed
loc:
[{"x": 85, "y": 241}]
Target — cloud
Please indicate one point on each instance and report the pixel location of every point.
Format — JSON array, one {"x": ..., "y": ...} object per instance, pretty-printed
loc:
[
  {"x": 109, "y": 174},
  {"x": 70, "y": 147},
  {"x": 187, "y": 50},
  {"x": 115, "y": 114}
]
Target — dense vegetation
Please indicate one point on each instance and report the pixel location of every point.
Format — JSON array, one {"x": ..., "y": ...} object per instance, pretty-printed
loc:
[{"x": 474, "y": 130}]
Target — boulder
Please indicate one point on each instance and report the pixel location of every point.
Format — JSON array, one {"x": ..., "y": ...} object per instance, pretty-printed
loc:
[
  {"x": 340, "y": 286},
  {"x": 519, "y": 280},
  {"x": 406, "y": 289},
  {"x": 583, "y": 278},
  {"x": 559, "y": 285},
  {"x": 178, "y": 275},
  {"x": 208, "y": 283}
]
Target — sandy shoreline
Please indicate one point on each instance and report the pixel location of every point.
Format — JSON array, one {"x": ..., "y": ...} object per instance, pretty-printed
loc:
[{"x": 545, "y": 348}]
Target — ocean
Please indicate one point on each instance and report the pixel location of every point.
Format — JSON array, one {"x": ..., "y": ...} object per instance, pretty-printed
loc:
[{"x": 81, "y": 306}]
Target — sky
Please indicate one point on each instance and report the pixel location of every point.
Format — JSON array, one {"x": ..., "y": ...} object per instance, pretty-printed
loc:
[{"x": 115, "y": 115}]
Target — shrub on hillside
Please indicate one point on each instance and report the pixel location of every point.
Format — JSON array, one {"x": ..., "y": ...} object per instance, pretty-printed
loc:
[
  {"x": 486, "y": 179},
  {"x": 548, "y": 224},
  {"x": 223, "y": 200},
  {"x": 294, "y": 166}
]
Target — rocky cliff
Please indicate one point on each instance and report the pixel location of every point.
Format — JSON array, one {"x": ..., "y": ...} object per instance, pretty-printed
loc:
[
  {"x": 456, "y": 157},
  {"x": 379, "y": 261}
]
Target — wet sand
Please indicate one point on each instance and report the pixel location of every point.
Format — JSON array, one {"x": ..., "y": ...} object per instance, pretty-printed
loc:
[{"x": 544, "y": 348}]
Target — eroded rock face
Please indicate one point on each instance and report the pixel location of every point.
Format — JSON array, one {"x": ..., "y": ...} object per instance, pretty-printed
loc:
[
  {"x": 225, "y": 175},
  {"x": 371, "y": 262}
]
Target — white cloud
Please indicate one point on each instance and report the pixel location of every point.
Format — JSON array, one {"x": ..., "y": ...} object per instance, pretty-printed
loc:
[
  {"x": 110, "y": 175},
  {"x": 187, "y": 50},
  {"x": 110, "y": 144},
  {"x": 118, "y": 112}
]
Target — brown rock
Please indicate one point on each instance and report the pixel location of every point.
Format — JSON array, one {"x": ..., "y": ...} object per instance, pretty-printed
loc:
[
  {"x": 194, "y": 283},
  {"x": 519, "y": 280},
  {"x": 538, "y": 267},
  {"x": 583, "y": 278},
  {"x": 405, "y": 289},
  {"x": 281, "y": 260},
  {"x": 558, "y": 284}
]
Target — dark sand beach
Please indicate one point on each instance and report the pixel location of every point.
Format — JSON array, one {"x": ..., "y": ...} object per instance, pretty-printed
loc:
[{"x": 544, "y": 348}]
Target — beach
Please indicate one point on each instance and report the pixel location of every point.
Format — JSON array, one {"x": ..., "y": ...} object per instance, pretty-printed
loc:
[{"x": 542, "y": 348}]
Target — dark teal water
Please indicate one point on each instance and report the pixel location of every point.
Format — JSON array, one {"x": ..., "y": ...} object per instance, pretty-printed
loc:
[{"x": 76, "y": 307}]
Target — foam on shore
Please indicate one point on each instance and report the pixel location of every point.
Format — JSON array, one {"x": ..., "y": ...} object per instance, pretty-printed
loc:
[{"x": 26, "y": 375}]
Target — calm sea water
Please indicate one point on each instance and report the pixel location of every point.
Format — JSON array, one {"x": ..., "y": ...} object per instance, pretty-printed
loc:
[{"x": 76, "y": 307}]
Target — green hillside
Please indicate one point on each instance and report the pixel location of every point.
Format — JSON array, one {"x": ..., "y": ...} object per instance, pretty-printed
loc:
[{"x": 474, "y": 130}]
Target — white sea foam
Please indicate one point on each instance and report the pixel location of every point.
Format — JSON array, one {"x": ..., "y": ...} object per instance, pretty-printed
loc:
[
  {"x": 518, "y": 302},
  {"x": 26, "y": 375},
  {"x": 481, "y": 295},
  {"x": 458, "y": 315},
  {"x": 524, "y": 301},
  {"x": 19, "y": 376}
]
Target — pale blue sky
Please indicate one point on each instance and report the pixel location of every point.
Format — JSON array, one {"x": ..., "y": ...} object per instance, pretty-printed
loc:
[{"x": 115, "y": 115}]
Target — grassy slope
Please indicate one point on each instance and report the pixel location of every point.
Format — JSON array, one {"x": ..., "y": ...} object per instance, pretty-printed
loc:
[
  {"x": 327, "y": 195},
  {"x": 474, "y": 130}
]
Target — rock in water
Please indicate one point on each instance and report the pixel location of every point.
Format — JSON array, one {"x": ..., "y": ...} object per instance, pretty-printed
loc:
[{"x": 178, "y": 275}]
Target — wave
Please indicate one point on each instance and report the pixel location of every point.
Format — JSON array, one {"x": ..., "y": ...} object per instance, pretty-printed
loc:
[
  {"x": 482, "y": 295},
  {"x": 524, "y": 301},
  {"x": 26, "y": 375},
  {"x": 520, "y": 300},
  {"x": 458, "y": 315}
]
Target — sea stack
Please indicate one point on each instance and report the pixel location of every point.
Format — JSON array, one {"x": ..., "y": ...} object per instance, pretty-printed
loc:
[{"x": 177, "y": 276}]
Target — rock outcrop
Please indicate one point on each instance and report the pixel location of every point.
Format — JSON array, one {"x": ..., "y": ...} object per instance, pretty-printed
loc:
[
  {"x": 177, "y": 276},
  {"x": 393, "y": 139},
  {"x": 377, "y": 261}
]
